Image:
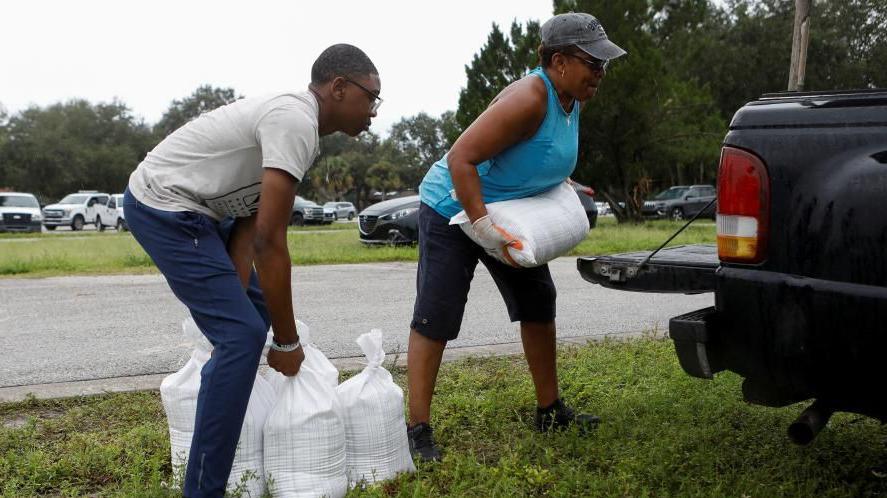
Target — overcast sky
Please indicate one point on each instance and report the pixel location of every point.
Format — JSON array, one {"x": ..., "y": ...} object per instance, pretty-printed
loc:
[{"x": 148, "y": 53}]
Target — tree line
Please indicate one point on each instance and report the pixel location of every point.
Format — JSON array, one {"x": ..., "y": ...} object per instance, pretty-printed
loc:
[
  {"x": 62, "y": 148},
  {"x": 658, "y": 119}
]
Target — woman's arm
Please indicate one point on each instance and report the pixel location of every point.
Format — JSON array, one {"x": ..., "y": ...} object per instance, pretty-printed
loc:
[{"x": 513, "y": 116}]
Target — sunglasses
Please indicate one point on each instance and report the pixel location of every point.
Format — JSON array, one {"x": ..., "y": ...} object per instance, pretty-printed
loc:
[
  {"x": 375, "y": 100},
  {"x": 594, "y": 64}
]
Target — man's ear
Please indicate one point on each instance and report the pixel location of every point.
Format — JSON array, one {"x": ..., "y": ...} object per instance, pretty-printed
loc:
[{"x": 337, "y": 88}]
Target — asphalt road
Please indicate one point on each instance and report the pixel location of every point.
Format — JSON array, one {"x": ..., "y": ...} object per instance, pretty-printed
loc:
[{"x": 82, "y": 328}]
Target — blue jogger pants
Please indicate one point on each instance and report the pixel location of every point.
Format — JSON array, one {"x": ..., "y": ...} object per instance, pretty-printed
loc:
[{"x": 190, "y": 250}]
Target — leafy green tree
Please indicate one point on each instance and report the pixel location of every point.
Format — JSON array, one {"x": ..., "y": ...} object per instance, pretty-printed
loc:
[
  {"x": 450, "y": 127},
  {"x": 331, "y": 179},
  {"x": 418, "y": 142},
  {"x": 4, "y": 117},
  {"x": 346, "y": 161},
  {"x": 648, "y": 126},
  {"x": 204, "y": 99},
  {"x": 501, "y": 61},
  {"x": 72, "y": 146},
  {"x": 741, "y": 49},
  {"x": 848, "y": 45},
  {"x": 385, "y": 176}
]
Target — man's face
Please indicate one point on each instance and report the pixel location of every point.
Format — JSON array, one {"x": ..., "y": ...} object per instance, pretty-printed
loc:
[{"x": 361, "y": 100}]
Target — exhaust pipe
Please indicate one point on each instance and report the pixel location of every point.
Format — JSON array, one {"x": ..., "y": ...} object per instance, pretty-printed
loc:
[{"x": 809, "y": 423}]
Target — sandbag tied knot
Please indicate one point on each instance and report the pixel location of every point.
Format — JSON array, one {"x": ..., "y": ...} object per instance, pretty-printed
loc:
[{"x": 371, "y": 345}]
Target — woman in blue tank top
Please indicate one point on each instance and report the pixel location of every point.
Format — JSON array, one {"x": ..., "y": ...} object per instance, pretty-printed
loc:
[{"x": 524, "y": 143}]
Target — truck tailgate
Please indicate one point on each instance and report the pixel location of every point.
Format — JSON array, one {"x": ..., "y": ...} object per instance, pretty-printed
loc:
[{"x": 688, "y": 269}]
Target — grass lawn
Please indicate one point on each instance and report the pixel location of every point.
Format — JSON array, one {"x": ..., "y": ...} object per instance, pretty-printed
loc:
[
  {"x": 87, "y": 253},
  {"x": 109, "y": 232},
  {"x": 663, "y": 434}
]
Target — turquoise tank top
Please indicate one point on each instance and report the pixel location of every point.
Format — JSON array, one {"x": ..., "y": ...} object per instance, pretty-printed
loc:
[{"x": 525, "y": 169}]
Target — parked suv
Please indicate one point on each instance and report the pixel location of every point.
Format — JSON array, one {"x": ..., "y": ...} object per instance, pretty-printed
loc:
[
  {"x": 19, "y": 212},
  {"x": 340, "y": 210},
  {"x": 394, "y": 222},
  {"x": 681, "y": 202},
  {"x": 306, "y": 212},
  {"x": 76, "y": 210}
]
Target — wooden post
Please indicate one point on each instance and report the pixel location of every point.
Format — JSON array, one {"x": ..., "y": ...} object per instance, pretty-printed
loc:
[{"x": 800, "y": 40}]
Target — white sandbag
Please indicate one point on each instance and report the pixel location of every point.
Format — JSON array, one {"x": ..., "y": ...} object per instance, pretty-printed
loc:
[
  {"x": 178, "y": 392},
  {"x": 305, "y": 434},
  {"x": 318, "y": 361},
  {"x": 548, "y": 225},
  {"x": 375, "y": 430}
]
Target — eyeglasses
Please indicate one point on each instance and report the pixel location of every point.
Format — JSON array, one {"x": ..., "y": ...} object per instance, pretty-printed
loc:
[
  {"x": 375, "y": 100},
  {"x": 593, "y": 64}
]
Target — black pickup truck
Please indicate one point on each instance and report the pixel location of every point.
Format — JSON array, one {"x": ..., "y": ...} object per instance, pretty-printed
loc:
[{"x": 799, "y": 273}]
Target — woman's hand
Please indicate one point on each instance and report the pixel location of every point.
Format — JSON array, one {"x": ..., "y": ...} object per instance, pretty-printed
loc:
[{"x": 495, "y": 240}]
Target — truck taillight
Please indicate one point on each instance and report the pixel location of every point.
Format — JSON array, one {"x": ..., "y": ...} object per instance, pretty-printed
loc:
[{"x": 743, "y": 207}]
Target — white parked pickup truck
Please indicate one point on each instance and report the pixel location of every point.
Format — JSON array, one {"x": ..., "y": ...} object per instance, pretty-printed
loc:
[
  {"x": 86, "y": 207},
  {"x": 115, "y": 213}
]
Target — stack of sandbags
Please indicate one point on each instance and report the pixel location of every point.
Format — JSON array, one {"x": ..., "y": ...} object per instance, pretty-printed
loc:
[
  {"x": 548, "y": 225},
  {"x": 375, "y": 429},
  {"x": 178, "y": 392},
  {"x": 304, "y": 434}
]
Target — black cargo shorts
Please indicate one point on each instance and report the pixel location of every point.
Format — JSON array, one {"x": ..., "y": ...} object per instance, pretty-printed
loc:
[{"x": 447, "y": 259}]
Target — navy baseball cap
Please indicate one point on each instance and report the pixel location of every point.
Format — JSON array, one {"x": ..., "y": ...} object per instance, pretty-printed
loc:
[{"x": 582, "y": 30}]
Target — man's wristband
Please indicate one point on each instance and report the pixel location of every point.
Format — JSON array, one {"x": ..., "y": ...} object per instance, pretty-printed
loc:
[{"x": 285, "y": 348}]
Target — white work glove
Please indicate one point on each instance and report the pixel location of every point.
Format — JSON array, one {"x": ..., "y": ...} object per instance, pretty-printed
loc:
[{"x": 495, "y": 240}]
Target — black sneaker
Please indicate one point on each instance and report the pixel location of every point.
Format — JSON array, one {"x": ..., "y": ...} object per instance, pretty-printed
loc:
[
  {"x": 559, "y": 416},
  {"x": 422, "y": 445}
]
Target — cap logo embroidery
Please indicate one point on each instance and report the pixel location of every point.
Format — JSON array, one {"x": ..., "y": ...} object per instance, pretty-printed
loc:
[{"x": 593, "y": 25}]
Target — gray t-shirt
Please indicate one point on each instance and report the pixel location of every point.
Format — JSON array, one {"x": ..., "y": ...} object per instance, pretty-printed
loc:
[{"x": 213, "y": 165}]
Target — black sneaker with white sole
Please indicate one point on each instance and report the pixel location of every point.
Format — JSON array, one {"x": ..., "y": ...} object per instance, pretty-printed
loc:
[
  {"x": 559, "y": 416},
  {"x": 422, "y": 446}
]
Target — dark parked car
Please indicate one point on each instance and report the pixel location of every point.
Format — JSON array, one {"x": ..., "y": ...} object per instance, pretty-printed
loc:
[
  {"x": 586, "y": 197},
  {"x": 680, "y": 202},
  {"x": 394, "y": 222}
]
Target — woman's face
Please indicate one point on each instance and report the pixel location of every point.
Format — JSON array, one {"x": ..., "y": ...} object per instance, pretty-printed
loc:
[{"x": 582, "y": 75}]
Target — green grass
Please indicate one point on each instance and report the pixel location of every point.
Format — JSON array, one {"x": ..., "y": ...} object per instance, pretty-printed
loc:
[
  {"x": 109, "y": 232},
  {"x": 610, "y": 237},
  {"x": 663, "y": 434},
  {"x": 112, "y": 253}
]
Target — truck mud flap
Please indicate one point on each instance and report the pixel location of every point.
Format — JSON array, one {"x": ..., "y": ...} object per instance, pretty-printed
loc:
[
  {"x": 693, "y": 334},
  {"x": 688, "y": 269}
]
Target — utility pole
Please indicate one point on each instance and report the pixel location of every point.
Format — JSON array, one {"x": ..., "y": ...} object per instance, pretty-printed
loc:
[{"x": 800, "y": 40}]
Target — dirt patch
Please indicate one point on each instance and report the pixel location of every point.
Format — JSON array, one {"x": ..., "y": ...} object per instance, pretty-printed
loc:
[
  {"x": 18, "y": 421},
  {"x": 15, "y": 422}
]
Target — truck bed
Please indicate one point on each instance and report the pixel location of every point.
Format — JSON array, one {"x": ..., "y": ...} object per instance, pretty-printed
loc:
[{"x": 688, "y": 269}]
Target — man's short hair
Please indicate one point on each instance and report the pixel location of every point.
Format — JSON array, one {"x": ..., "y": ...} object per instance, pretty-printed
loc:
[{"x": 341, "y": 60}]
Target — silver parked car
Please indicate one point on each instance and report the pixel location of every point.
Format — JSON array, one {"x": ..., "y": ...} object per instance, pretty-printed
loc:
[{"x": 340, "y": 210}]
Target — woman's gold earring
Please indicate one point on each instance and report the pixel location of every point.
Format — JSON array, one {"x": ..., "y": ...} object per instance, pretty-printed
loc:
[{"x": 562, "y": 72}]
